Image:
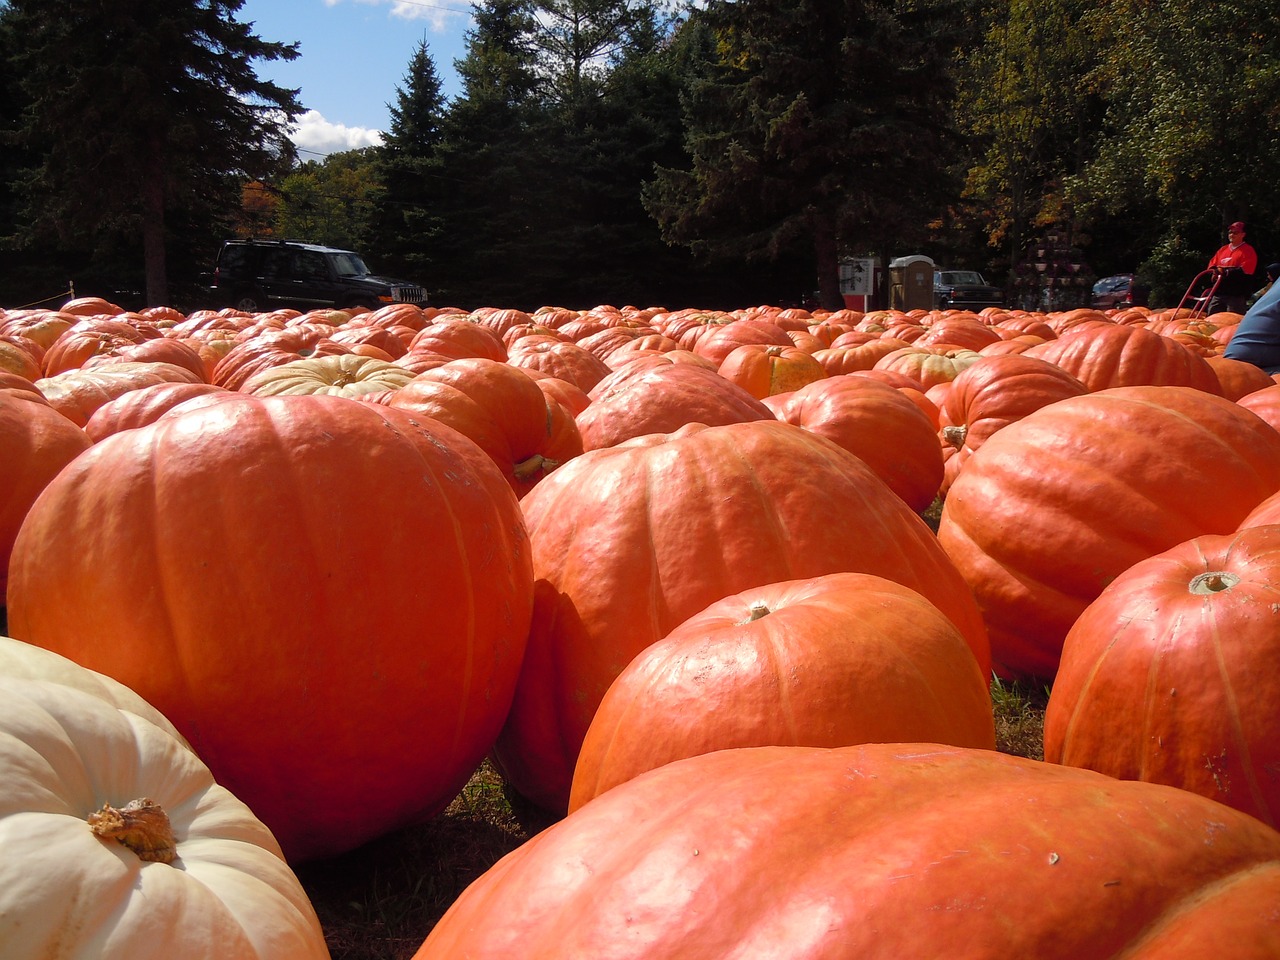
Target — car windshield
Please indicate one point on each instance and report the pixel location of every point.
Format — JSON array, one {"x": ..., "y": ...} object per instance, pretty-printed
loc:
[
  {"x": 1111, "y": 285},
  {"x": 953, "y": 278},
  {"x": 348, "y": 265}
]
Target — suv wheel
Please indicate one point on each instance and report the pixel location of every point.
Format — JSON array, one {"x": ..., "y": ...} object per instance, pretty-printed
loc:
[{"x": 249, "y": 301}]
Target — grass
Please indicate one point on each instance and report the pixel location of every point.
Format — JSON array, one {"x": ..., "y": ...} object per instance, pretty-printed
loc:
[
  {"x": 381, "y": 901},
  {"x": 1019, "y": 712}
]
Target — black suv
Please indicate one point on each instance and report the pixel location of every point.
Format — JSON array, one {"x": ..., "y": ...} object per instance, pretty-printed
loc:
[
  {"x": 964, "y": 290},
  {"x": 260, "y": 275}
]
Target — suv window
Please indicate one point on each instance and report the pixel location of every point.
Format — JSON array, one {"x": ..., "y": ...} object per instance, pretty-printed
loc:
[
  {"x": 348, "y": 265},
  {"x": 308, "y": 265}
]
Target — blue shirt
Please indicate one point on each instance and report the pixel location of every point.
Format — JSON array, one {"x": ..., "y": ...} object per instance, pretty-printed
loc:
[{"x": 1257, "y": 338}]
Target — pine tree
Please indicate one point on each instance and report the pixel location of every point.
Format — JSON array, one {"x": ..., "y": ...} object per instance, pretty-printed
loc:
[
  {"x": 139, "y": 108},
  {"x": 489, "y": 173},
  {"x": 406, "y": 221}
]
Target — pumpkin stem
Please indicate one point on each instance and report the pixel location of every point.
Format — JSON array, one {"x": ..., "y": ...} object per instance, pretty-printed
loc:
[
  {"x": 533, "y": 465},
  {"x": 758, "y": 609},
  {"x": 141, "y": 825},
  {"x": 954, "y": 435},
  {"x": 1215, "y": 581}
]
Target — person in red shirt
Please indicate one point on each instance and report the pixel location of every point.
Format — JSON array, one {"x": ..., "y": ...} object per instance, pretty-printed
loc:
[{"x": 1235, "y": 263}]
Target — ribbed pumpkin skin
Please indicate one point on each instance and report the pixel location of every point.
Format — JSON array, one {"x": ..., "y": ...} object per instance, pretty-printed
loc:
[
  {"x": 878, "y": 852},
  {"x": 1105, "y": 355},
  {"x": 1171, "y": 676},
  {"x": 991, "y": 394},
  {"x": 339, "y": 375},
  {"x": 502, "y": 409},
  {"x": 767, "y": 370},
  {"x": 1053, "y": 507},
  {"x": 36, "y": 441},
  {"x": 878, "y": 423},
  {"x": 78, "y": 393},
  {"x": 662, "y": 398},
  {"x": 631, "y": 541},
  {"x": 996, "y": 391},
  {"x": 827, "y": 662},
  {"x": 139, "y": 407},
  {"x": 323, "y": 595}
]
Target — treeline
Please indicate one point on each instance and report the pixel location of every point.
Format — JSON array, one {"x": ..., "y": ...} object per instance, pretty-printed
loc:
[{"x": 627, "y": 151}]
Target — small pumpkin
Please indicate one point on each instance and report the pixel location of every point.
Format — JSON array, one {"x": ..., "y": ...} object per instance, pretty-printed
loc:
[
  {"x": 1169, "y": 676},
  {"x": 825, "y": 662}
]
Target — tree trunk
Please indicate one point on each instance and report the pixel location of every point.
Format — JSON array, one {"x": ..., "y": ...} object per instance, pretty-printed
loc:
[
  {"x": 153, "y": 241},
  {"x": 828, "y": 261}
]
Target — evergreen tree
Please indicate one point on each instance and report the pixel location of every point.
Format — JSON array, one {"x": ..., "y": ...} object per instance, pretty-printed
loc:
[
  {"x": 818, "y": 124},
  {"x": 604, "y": 142},
  {"x": 578, "y": 42},
  {"x": 136, "y": 109},
  {"x": 406, "y": 223},
  {"x": 489, "y": 201}
]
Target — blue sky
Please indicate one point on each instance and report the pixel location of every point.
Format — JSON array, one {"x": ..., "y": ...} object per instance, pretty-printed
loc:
[{"x": 354, "y": 55}]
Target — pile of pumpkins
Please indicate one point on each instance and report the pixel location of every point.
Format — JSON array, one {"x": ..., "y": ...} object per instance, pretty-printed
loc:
[{"x": 277, "y": 583}]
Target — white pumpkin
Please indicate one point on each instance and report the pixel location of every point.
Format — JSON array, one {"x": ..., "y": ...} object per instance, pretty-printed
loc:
[
  {"x": 21, "y": 659},
  {"x": 69, "y": 759}
]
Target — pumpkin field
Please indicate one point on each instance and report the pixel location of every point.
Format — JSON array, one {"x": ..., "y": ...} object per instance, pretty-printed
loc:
[{"x": 424, "y": 632}]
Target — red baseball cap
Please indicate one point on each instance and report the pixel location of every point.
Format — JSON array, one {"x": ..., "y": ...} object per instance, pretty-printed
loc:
[{"x": 1236, "y": 227}]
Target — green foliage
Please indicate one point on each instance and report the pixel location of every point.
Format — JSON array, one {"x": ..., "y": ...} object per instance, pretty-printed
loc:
[
  {"x": 1027, "y": 115},
  {"x": 812, "y": 125},
  {"x": 330, "y": 201}
]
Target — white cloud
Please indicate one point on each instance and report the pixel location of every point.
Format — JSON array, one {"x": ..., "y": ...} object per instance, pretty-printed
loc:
[
  {"x": 440, "y": 15},
  {"x": 314, "y": 134}
]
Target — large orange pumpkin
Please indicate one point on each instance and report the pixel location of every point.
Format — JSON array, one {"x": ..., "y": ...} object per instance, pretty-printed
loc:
[
  {"x": 78, "y": 393},
  {"x": 660, "y": 397},
  {"x": 826, "y": 662},
  {"x": 993, "y": 393},
  {"x": 561, "y": 359},
  {"x": 501, "y": 408},
  {"x": 1104, "y": 355},
  {"x": 878, "y": 852},
  {"x": 1170, "y": 675},
  {"x": 328, "y": 598},
  {"x": 139, "y": 407},
  {"x": 766, "y": 370},
  {"x": 36, "y": 442},
  {"x": 1056, "y": 505},
  {"x": 632, "y": 540},
  {"x": 878, "y": 423}
]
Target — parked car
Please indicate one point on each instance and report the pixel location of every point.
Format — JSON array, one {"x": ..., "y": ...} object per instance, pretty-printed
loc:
[
  {"x": 260, "y": 275},
  {"x": 1115, "y": 292},
  {"x": 964, "y": 290}
]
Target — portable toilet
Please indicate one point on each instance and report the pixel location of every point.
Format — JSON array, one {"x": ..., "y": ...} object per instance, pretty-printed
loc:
[{"x": 911, "y": 283}]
